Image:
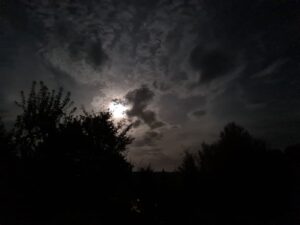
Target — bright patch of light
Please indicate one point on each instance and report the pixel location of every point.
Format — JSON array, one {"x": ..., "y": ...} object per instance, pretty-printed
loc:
[{"x": 118, "y": 110}]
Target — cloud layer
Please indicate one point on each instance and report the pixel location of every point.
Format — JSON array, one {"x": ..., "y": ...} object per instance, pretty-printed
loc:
[{"x": 186, "y": 68}]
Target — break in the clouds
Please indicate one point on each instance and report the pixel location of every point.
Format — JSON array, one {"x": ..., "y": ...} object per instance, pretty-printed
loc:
[{"x": 186, "y": 67}]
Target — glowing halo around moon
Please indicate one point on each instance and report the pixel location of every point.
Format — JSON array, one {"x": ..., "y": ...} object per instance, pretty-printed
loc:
[{"x": 118, "y": 110}]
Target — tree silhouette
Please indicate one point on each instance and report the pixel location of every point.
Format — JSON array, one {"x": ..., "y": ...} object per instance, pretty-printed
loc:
[
  {"x": 76, "y": 160},
  {"x": 92, "y": 143},
  {"x": 235, "y": 149},
  {"x": 4, "y": 140},
  {"x": 189, "y": 165},
  {"x": 243, "y": 181},
  {"x": 41, "y": 115},
  {"x": 58, "y": 167}
]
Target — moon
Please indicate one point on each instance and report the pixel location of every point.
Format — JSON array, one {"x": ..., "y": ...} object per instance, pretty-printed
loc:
[{"x": 118, "y": 110}]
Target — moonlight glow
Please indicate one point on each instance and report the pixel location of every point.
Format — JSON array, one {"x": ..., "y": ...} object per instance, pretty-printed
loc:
[{"x": 118, "y": 110}]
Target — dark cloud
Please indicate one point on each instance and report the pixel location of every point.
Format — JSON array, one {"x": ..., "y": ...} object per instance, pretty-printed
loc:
[
  {"x": 140, "y": 99},
  {"x": 64, "y": 32},
  {"x": 179, "y": 76},
  {"x": 211, "y": 63},
  {"x": 76, "y": 46},
  {"x": 85, "y": 45},
  {"x": 161, "y": 86},
  {"x": 95, "y": 55},
  {"x": 58, "y": 26},
  {"x": 198, "y": 113},
  {"x": 150, "y": 138},
  {"x": 136, "y": 123},
  {"x": 175, "y": 110}
]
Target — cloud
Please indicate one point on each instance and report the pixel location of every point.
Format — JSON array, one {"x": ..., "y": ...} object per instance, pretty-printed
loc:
[
  {"x": 140, "y": 99},
  {"x": 69, "y": 83},
  {"x": 149, "y": 139},
  {"x": 211, "y": 63},
  {"x": 63, "y": 25},
  {"x": 198, "y": 114},
  {"x": 95, "y": 55},
  {"x": 189, "y": 53},
  {"x": 81, "y": 45},
  {"x": 175, "y": 110},
  {"x": 160, "y": 86}
]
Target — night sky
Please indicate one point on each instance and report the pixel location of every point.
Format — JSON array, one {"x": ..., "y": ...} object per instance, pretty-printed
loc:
[{"x": 182, "y": 69}]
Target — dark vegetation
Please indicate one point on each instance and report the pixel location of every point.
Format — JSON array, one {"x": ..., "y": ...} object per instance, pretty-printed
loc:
[{"x": 58, "y": 167}]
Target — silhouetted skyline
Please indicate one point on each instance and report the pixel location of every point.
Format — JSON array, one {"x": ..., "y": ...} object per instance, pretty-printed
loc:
[{"x": 62, "y": 167}]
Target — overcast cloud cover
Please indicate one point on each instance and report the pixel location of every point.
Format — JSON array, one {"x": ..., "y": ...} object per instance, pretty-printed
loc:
[{"x": 185, "y": 67}]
